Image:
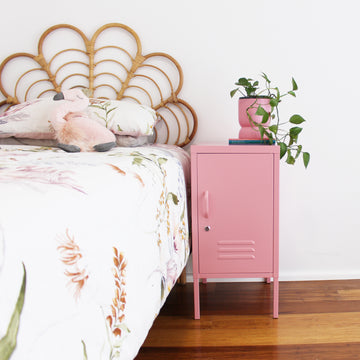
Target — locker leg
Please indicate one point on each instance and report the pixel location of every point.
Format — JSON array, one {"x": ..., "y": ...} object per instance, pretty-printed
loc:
[
  {"x": 276, "y": 298},
  {"x": 196, "y": 299}
]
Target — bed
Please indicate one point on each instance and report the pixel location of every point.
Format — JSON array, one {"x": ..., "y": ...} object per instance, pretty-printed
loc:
[{"x": 91, "y": 243}]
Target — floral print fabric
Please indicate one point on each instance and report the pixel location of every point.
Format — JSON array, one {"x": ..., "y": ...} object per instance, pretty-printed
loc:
[{"x": 103, "y": 238}]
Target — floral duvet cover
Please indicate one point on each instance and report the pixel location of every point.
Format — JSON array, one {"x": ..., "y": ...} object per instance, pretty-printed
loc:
[{"x": 100, "y": 238}]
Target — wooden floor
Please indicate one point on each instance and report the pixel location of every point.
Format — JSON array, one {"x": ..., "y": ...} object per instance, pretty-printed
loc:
[{"x": 318, "y": 320}]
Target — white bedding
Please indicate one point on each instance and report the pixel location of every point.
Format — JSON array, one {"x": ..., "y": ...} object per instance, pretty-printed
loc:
[{"x": 103, "y": 238}]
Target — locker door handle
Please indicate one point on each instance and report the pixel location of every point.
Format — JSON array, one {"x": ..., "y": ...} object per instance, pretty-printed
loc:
[{"x": 206, "y": 204}]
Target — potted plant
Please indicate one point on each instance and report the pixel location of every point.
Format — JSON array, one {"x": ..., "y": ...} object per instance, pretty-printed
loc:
[{"x": 259, "y": 117}]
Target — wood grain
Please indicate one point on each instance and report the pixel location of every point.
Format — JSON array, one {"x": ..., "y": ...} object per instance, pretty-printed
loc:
[
  {"x": 285, "y": 352},
  {"x": 318, "y": 320},
  {"x": 233, "y": 330}
]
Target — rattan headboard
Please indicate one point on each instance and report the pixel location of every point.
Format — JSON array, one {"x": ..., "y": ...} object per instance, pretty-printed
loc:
[{"x": 111, "y": 65}]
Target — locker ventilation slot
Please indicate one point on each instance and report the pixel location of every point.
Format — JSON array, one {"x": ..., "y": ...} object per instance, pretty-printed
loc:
[{"x": 236, "y": 250}]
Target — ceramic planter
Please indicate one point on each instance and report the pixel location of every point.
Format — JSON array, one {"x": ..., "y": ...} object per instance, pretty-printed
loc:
[{"x": 248, "y": 107}]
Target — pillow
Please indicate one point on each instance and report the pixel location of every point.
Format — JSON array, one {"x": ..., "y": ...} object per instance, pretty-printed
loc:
[
  {"x": 123, "y": 117},
  {"x": 28, "y": 120},
  {"x": 31, "y": 119}
]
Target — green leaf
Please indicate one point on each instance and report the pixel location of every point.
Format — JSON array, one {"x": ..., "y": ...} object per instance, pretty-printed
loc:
[
  {"x": 262, "y": 131},
  {"x": 265, "y": 118},
  {"x": 273, "y": 128},
  {"x": 294, "y": 84},
  {"x": 306, "y": 159},
  {"x": 8, "y": 342},
  {"x": 278, "y": 95},
  {"x": 292, "y": 93},
  {"x": 250, "y": 90},
  {"x": 290, "y": 159},
  {"x": 260, "y": 111},
  {"x": 283, "y": 149},
  {"x": 274, "y": 102},
  {"x": 298, "y": 152},
  {"x": 296, "y": 119},
  {"x": 270, "y": 136},
  {"x": 295, "y": 131},
  {"x": 266, "y": 78},
  {"x": 243, "y": 82},
  {"x": 233, "y": 92}
]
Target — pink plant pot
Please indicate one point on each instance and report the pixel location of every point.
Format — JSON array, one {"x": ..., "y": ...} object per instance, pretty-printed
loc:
[{"x": 248, "y": 107}]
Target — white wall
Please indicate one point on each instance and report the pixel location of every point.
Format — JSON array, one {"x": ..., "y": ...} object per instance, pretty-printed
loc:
[{"x": 316, "y": 41}]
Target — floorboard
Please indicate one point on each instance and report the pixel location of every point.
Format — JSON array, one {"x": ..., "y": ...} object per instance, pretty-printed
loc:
[{"x": 317, "y": 320}]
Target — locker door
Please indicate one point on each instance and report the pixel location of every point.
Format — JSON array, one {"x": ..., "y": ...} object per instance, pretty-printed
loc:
[{"x": 235, "y": 214}]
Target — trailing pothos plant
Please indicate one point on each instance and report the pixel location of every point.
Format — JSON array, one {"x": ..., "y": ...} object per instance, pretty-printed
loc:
[{"x": 281, "y": 133}]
